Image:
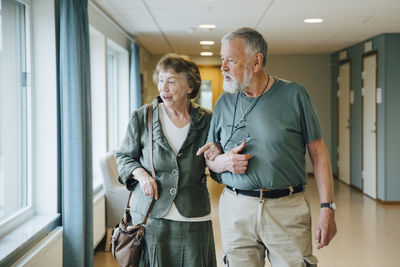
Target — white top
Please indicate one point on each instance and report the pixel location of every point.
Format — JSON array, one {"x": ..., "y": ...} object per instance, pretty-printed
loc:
[{"x": 176, "y": 136}]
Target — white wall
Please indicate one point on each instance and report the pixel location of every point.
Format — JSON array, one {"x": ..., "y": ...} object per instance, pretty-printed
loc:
[
  {"x": 106, "y": 27},
  {"x": 47, "y": 253},
  {"x": 103, "y": 33},
  {"x": 313, "y": 72},
  {"x": 99, "y": 101},
  {"x": 99, "y": 218}
]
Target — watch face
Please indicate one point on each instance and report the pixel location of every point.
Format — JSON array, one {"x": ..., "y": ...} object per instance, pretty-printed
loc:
[{"x": 333, "y": 205}]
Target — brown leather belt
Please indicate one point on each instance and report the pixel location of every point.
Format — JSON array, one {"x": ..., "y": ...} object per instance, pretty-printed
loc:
[{"x": 267, "y": 193}]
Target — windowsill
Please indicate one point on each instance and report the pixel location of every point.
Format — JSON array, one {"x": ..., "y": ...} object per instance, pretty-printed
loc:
[
  {"x": 97, "y": 188},
  {"x": 14, "y": 244}
]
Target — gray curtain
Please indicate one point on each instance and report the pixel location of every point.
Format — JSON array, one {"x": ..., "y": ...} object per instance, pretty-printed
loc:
[
  {"x": 75, "y": 134},
  {"x": 135, "y": 87}
]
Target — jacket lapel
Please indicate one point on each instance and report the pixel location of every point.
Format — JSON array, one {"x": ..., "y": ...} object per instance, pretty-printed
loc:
[
  {"x": 158, "y": 135},
  {"x": 197, "y": 123}
]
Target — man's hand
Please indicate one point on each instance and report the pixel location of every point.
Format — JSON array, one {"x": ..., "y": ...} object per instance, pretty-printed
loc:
[
  {"x": 325, "y": 228},
  {"x": 147, "y": 183},
  {"x": 235, "y": 162},
  {"x": 231, "y": 161}
]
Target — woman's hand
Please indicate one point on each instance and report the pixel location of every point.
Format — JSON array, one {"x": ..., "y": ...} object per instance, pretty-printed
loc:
[
  {"x": 147, "y": 183},
  {"x": 210, "y": 150}
]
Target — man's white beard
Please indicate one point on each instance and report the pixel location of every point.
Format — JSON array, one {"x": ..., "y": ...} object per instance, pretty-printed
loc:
[{"x": 233, "y": 86}]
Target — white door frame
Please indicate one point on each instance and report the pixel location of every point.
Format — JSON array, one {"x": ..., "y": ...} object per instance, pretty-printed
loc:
[
  {"x": 369, "y": 189},
  {"x": 344, "y": 114}
]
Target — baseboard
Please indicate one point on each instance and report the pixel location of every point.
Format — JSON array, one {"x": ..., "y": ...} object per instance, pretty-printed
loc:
[
  {"x": 108, "y": 239},
  {"x": 357, "y": 189},
  {"x": 388, "y": 203}
]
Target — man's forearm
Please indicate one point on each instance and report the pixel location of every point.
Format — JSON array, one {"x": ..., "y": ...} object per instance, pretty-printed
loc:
[
  {"x": 322, "y": 170},
  {"x": 217, "y": 165}
]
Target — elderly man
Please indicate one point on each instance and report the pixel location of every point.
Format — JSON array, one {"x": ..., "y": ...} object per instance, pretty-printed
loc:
[{"x": 257, "y": 142}]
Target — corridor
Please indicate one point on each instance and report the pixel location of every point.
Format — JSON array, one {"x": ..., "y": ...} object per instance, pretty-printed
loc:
[{"x": 368, "y": 232}]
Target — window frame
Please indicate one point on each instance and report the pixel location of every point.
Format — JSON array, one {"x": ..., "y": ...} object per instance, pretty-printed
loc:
[
  {"x": 25, "y": 65},
  {"x": 119, "y": 112},
  {"x": 29, "y": 228}
]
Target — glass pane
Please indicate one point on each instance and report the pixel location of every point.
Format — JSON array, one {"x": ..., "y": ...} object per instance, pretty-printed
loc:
[
  {"x": 112, "y": 101},
  {"x": 204, "y": 98},
  {"x": 13, "y": 109}
]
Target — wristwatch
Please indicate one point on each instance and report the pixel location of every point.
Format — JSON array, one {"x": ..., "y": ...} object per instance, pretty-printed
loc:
[{"x": 330, "y": 205}]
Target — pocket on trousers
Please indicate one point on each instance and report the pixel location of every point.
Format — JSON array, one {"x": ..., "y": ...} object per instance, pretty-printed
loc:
[
  {"x": 310, "y": 261},
  {"x": 224, "y": 259}
]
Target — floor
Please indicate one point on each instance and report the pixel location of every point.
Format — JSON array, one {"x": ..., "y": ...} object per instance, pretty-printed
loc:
[{"x": 368, "y": 232}]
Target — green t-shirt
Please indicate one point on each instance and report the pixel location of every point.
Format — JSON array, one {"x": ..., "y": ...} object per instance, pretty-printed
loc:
[{"x": 277, "y": 128}]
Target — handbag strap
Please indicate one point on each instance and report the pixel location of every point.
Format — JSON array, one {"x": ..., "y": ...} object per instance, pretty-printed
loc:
[{"x": 153, "y": 174}]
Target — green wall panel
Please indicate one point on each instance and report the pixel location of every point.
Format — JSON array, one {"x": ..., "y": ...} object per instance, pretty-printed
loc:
[
  {"x": 387, "y": 47},
  {"x": 392, "y": 118}
]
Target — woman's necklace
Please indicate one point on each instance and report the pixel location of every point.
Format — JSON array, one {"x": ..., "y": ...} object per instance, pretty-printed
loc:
[{"x": 252, "y": 104}]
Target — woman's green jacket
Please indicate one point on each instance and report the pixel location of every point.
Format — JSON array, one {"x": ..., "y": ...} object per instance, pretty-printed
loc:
[{"x": 180, "y": 178}]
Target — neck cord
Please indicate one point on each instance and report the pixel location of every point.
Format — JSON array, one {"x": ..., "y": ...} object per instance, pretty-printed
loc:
[
  {"x": 244, "y": 114},
  {"x": 233, "y": 126}
]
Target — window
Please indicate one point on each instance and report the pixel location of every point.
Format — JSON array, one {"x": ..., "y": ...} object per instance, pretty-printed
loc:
[
  {"x": 109, "y": 66},
  {"x": 29, "y": 201},
  {"x": 15, "y": 112},
  {"x": 98, "y": 94},
  {"x": 117, "y": 94},
  {"x": 112, "y": 99}
]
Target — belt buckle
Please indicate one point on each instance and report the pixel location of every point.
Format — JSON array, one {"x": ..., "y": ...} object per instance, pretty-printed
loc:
[
  {"x": 265, "y": 190},
  {"x": 290, "y": 190},
  {"x": 262, "y": 190}
]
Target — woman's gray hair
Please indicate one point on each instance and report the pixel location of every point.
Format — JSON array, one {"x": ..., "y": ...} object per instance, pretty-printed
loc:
[
  {"x": 254, "y": 40},
  {"x": 180, "y": 64}
]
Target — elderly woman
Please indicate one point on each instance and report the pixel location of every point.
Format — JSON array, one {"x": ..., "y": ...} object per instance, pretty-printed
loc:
[{"x": 179, "y": 229}]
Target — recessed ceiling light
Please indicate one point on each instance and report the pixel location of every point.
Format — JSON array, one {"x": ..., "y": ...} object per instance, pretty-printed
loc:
[
  {"x": 313, "y": 20},
  {"x": 207, "y": 26},
  {"x": 206, "y": 54},
  {"x": 207, "y": 42}
]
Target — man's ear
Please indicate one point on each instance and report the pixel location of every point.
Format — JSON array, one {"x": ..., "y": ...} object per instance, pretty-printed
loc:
[{"x": 257, "y": 62}]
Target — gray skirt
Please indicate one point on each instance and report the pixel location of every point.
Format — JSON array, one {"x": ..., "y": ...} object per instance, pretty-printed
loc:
[{"x": 178, "y": 244}]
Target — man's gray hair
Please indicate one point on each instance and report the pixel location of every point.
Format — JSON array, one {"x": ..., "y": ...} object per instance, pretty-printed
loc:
[{"x": 254, "y": 40}]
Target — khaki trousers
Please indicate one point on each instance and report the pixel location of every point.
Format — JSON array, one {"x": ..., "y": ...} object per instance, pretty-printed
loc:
[{"x": 252, "y": 227}]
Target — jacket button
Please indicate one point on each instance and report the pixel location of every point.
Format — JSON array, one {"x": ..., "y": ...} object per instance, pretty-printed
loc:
[
  {"x": 175, "y": 172},
  {"x": 172, "y": 191}
]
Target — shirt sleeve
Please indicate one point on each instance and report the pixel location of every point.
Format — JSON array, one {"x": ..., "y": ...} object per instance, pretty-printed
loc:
[
  {"x": 213, "y": 136},
  {"x": 213, "y": 132},
  {"x": 128, "y": 155},
  {"x": 309, "y": 119}
]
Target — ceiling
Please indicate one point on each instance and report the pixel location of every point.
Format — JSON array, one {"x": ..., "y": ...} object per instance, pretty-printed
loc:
[{"x": 164, "y": 26}]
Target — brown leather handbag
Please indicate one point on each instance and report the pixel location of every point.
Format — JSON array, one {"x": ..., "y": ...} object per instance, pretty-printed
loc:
[{"x": 127, "y": 239}]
